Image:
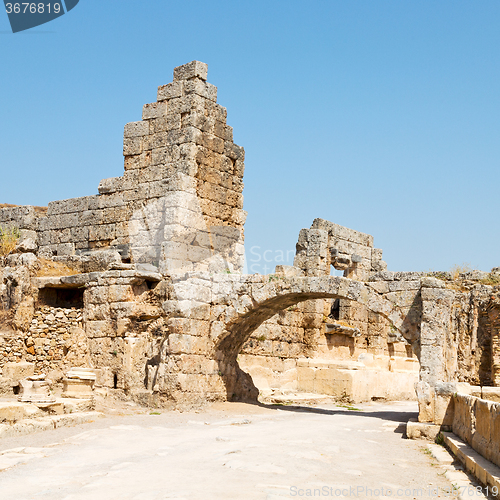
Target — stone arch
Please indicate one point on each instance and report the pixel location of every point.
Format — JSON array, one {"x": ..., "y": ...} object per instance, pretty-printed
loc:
[{"x": 258, "y": 302}]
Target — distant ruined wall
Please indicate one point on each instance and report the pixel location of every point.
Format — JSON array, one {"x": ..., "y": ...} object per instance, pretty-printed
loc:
[
  {"x": 327, "y": 244},
  {"x": 23, "y": 218}
]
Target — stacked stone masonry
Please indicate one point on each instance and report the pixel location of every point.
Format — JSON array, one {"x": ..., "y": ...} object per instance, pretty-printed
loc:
[
  {"x": 142, "y": 282},
  {"x": 183, "y": 180}
]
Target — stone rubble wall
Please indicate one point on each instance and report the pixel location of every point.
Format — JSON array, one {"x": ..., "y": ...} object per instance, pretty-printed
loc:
[
  {"x": 12, "y": 348},
  {"x": 54, "y": 340}
]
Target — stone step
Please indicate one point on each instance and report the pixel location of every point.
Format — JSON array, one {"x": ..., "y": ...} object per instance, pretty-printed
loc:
[
  {"x": 31, "y": 425},
  {"x": 14, "y": 411},
  {"x": 486, "y": 472}
]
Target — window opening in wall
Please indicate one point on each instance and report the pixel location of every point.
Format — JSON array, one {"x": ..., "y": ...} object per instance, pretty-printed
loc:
[
  {"x": 336, "y": 272},
  {"x": 115, "y": 381},
  {"x": 61, "y": 297}
]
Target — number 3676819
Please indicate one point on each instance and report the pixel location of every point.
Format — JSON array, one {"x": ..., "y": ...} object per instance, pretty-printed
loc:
[{"x": 33, "y": 8}]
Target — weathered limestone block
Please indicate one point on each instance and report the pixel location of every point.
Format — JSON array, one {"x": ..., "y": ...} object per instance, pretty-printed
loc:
[
  {"x": 187, "y": 344},
  {"x": 170, "y": 91},
  {"x": 12, "y": 412},
  {"x": 343, "y": 330},
  {"x": 136, "y": 129},
  {"x": 79, "y": 383},
  {"x": 422, "y": 430},
  {"x": 426, "y": 402},
  {"x": 154, "y": 110},
  {"x": 436, "y": 309},
  {"x": 35, "y": 389},
  {"x": 194, "y": 69},
  {"x": 185, "y": 326},
  {"x": 444, "y": 403}
]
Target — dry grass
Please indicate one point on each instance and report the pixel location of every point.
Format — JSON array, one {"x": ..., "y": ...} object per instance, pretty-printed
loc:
[
  {"x": 492, "y": 279},
  {"x": 9, "y": 237},
  {"x": 458, "y": 269},
  {"x": 49, "y": 268}
]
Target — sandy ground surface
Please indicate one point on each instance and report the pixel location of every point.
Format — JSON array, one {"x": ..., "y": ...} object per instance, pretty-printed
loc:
[{"x": 227, "y": 451}]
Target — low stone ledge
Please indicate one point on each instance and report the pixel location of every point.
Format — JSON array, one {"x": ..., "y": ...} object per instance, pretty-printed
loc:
[
  {"x": 12, "y": 411},
  {"x": 52, "y": 281},
  {"x": 327, "y": 363},
  {"x": 485, "y": 471},
  {"x": 490, "y": 394},
  {"x": 349, "y": 331}
]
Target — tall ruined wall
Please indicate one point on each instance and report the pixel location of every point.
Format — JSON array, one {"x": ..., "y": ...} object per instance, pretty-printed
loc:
[{"x": 180, "y": 198}]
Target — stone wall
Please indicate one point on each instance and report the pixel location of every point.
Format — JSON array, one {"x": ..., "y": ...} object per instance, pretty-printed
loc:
[
  {"x": 477, "y": 422},
  {"x": 56, "y": 339},
  {"x": 493, "y": 321},
  {"x": 12, "y": 348},
  {"x": 180, "y": 199},
  {"x": 327, "y": 244},
  {"x": 24, "y": 218}
]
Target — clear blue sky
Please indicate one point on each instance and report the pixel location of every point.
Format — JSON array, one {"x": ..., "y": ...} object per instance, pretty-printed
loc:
[{"x": 383, "y": 116}]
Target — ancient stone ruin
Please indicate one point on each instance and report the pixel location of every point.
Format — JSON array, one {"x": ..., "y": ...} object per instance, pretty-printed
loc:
[{"x": 143, "y": 284}]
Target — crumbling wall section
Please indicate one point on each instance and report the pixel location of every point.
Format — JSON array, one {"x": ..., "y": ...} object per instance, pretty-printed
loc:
[
  {"x": 180, "y": 199},
  {"x": 22, "y": 218},
  {"x": 327, "y": 244}
]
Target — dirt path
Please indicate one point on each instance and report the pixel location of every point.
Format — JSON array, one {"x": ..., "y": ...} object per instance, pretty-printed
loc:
[{"x": 229, "y": 451}]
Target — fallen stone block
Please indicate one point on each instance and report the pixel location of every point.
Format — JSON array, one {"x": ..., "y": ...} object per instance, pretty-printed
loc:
[{"x": 422, "y": 430}]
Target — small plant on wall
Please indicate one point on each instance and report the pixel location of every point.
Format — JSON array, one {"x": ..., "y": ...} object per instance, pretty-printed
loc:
[
  {"x": 457, "y": 270},
  {"x": 9, "y": 237}
]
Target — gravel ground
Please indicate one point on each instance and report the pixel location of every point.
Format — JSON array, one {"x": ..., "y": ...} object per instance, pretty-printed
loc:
[{"x": 227, "y": 451}]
